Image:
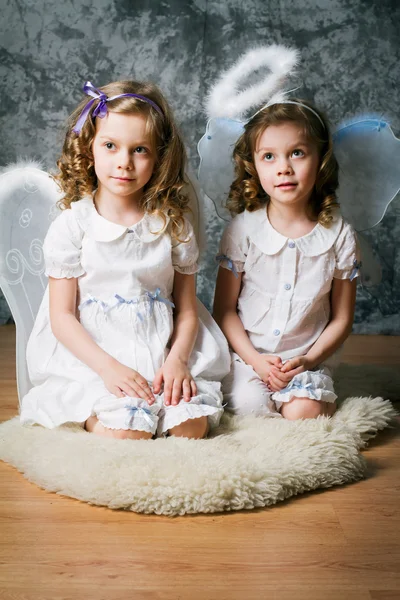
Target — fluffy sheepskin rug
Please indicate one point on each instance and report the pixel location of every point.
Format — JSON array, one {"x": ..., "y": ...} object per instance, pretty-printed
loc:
[{"x": 248, "y": 463}]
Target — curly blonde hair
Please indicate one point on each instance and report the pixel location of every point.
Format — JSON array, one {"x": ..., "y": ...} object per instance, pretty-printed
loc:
[
  {"x": 246, "y": 192},
  {"x": 163, "y": 194}
]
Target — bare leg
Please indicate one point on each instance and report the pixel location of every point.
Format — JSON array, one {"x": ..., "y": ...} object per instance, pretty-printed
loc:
[
  {"x": 306, "y": 408},
  {"x": 94, "y": 426},
  {"x": 195, "y": 429}
]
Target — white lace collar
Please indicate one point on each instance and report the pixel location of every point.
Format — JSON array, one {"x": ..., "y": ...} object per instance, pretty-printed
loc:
[
  {"x": 103, "y": 230},
  {"x": 270, "y": 241}
]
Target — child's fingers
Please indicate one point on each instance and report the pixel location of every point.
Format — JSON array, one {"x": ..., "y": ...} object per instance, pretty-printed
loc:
[
  {"x": 284, "y": 377},
  {"x": 143, "y": 384},
  {"x": 176, "y": 391},
  {"x": 287, "y": 367},
  {"x": 294, "y": 372},
  {"x": 167, "y": 391},
  {"x": 276, "y": 382},
  {"x": 193, "y": 387},
  {"x": 186, "y": 390},
  {"x": 157, "y": 383},
  {"x": 271, "y": 383},
  {"x": 272, "y": 386},
  {"x": 290, "y": 365},
  {"x": 134, "y": 390},
  {"x": 274, "y": 360},
  {"x": 129, "y": 389},
  {"x": 143, "y": 387}
]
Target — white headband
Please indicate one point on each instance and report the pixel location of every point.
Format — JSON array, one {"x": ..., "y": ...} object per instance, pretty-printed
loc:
[{"x": 291, "y": 102}]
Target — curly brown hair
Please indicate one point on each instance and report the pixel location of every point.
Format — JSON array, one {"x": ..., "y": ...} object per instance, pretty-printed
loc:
[
  {"x": 163, "y": 194},
  {"x": 246, "y": 192}
]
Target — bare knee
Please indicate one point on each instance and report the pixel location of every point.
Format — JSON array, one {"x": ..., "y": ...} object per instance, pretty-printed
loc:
[
  {"x": 195, "y": 429},
  {"x": 93, "y": 425},
  {"x": 306, "y": 408},
  {"x": 130, "y": 434}
]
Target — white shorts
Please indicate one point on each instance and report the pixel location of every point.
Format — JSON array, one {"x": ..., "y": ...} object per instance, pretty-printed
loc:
[
  {"x": 136, "y": 414},
  {"x": 245, "y": 393}
]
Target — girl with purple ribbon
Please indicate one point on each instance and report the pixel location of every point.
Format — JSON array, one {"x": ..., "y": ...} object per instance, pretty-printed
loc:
[
  {"x": 121, "y": 344},
  {"x": 286, "y": 288}
]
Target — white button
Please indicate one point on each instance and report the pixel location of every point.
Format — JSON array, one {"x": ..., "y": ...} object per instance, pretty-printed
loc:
[
  {"x": 276, "y": 332},
  {"x": 287, "y": 286},
  {"x": 292, "y": 245}
]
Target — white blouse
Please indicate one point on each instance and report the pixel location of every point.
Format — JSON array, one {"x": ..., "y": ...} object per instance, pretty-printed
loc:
[
  {"x": 110, "y": 259},
  {"x": 284, "y": 302}
]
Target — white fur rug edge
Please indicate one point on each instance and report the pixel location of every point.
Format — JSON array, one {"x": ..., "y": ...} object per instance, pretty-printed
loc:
[{"x": 247, "y": 463}]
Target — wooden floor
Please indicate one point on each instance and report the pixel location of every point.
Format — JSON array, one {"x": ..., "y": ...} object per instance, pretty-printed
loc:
[{"x": 338, "y": 544}]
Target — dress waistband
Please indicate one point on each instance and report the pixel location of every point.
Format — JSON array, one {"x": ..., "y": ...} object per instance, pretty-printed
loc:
[{"x": 152, "y": 297}]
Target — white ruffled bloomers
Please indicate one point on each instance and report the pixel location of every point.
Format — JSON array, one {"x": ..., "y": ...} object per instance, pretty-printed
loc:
[
  {"x": 136, "y": 414},
  {"x": 245, "y": 393},
  {"x": 316, "y": 385},
  {"x": 130, "y": 413}
]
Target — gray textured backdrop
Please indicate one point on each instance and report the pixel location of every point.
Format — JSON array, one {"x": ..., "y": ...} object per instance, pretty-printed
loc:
[{"x": 350, "y": 63}]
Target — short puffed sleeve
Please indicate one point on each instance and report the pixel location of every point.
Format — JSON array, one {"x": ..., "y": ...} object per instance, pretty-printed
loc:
[
  {"x": 62, "y": 247},
  {"x": 234, "y": 245},
  {"x": 186, "y": 252},
  {"x": 347, "y": 254}
]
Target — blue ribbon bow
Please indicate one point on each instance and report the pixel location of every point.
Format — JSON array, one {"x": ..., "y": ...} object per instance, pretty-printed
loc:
[
  {"x": 231, "y": 265},
  {"x": 297, "y": 385},
  {"x": 153, "y": 297},
  {"x": 140, "y": 411},
  {"x": 156, "y": 296},
  {"x": 357, "y": 266},
  {"x": 91, "y": 299},
  {"x": 121, "y": 300}
]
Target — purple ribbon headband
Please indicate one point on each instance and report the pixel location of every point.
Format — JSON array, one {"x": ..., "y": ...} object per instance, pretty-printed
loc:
[{"x": 101, "y": 108}]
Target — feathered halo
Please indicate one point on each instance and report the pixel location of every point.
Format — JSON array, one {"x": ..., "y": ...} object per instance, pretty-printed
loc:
[{"x": 225, "y": 98}]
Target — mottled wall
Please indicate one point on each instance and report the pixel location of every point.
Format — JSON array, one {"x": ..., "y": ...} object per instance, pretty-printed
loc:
[{"x": 350, "y": 53}]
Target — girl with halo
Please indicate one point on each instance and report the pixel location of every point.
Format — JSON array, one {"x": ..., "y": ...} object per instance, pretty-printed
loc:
[
  {"x": 120, "y": 344},
  {"x": 286, "y": 287}
]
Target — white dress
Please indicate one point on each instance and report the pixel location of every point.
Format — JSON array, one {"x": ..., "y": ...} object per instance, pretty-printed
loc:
[
  {"x": 284, "y": 302},
  {"x": 125, "y": 280}
]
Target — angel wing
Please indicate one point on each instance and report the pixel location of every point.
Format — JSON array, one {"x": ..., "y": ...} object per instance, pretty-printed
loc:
[
  {"x": 196, "y": 208},
  {"x": 28, "y": 199},
  {"x": 216, "y": 170},
  {"x": 368, "y": 154}
]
